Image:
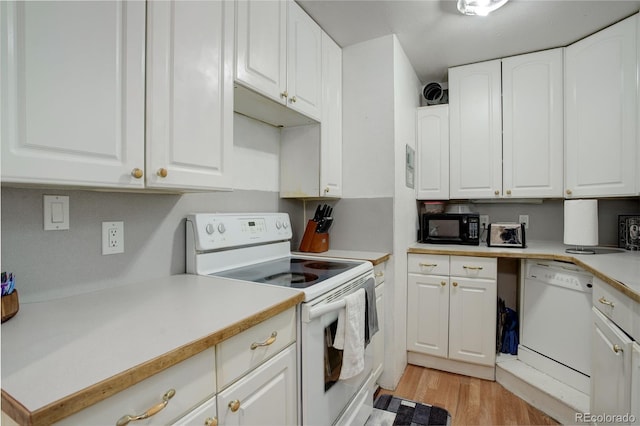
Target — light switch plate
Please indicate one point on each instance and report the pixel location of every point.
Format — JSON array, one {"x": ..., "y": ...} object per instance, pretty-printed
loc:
[{"x": 56, "y": 212}]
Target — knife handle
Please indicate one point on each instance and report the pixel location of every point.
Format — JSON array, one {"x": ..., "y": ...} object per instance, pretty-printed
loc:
[{"x": 307, "y": 238}]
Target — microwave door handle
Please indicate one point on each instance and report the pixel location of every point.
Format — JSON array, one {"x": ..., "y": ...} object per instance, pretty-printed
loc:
[{"x": 321, "y": 310}]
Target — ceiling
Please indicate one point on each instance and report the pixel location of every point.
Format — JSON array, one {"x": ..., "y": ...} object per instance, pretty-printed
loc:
[{"x": 435, "y": 36}]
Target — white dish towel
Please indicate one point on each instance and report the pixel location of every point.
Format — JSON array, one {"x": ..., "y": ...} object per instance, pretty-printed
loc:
[{"x": 350, "y": 334}]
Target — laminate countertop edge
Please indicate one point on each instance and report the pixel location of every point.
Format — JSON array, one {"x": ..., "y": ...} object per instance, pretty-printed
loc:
[
  {"x": 544, "y": 251},
  {"x": 65, "y": 406}
]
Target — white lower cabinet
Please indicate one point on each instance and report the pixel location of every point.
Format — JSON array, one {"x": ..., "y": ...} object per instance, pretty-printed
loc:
[
  {"x": 610, "y": 368},
  {"x": 378, "y": 339},
  {"x": 206, "y": 415},
  {"x": 635, "y": 381},
  {"x": 451, "y": 310},
  {"x": 266, "y": 396},
  {"x": 193, "y": 381}
]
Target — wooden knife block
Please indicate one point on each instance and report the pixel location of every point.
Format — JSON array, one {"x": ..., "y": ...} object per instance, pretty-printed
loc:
[
  {"x": 10, "y": 305},
  {"x": 313, "y": 242}
]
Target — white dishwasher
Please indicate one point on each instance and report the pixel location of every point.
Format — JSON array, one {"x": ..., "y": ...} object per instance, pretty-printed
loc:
[{"x": 555, "y": 333}]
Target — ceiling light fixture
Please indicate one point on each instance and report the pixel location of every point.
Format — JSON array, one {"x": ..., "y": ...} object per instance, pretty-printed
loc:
[{"x": 479, "y": 7}]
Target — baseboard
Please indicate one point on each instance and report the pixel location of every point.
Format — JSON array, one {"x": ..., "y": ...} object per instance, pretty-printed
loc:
[
  {"x": 452, "y": 366},
  {"x": 555, "y": 399}
]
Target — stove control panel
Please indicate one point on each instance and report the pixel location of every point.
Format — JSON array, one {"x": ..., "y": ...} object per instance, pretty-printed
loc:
[{"x": 213, "y": 231}]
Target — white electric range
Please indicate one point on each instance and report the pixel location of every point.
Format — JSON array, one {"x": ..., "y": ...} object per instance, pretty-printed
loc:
[{"x": 256, "y": 247}]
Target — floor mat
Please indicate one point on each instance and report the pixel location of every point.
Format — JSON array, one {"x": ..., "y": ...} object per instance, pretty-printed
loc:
[{"x": 389, "y": 410}]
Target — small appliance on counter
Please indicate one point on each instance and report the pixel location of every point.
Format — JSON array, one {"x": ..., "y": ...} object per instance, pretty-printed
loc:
[
  {"x": 629, "y": 232},
  {"x": 506, "y": 235},
  {"x": 450, "y": 228}
]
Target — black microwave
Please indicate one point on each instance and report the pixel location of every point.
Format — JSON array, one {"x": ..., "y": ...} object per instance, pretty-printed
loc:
[{"x": 450, "y": 228}]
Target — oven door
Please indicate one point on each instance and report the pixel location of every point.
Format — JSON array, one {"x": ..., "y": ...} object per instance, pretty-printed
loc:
[{"x": 324, "y": 397}]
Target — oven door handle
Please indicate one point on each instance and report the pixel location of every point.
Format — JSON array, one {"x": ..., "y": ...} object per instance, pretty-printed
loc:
[{"x": 312, "y": 313}]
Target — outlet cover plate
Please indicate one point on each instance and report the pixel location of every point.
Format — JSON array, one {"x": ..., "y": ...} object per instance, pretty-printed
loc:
[{"x": 112, "y": 237}]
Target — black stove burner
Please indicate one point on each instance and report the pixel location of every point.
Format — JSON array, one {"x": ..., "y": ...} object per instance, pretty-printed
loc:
[
  {"x": 325, "y": 265},
  {"x": 296, "y": 260},
  {"x": 291, "y": 277}
]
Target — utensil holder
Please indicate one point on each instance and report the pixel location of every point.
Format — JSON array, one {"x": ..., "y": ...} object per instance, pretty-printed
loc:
[{"x": 10, "y": 305}]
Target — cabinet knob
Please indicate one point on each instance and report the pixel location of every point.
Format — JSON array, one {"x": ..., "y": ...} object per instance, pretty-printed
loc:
[
  {"x": 234, "y": 405},
  {"x": 508, "y": 192},
  {"x": 294, "y": 99},
  {"x": 137, "y": 173},
  {"x": 379, "y": 274},
  {"x": 455, "y": 284},
  {"x": 127, "y": 418},
  {"x": 569, "y": 192},
  {"x": 617, "y": 349},
  {"x": 162, "y": 172},
  {"x": 443, "y": 283},
  {"x": 496, "y": 192},
  {"x": 284, "y": 94},
  {"x": 606, "y": 302},
  {"x": 326, "y": 190},
  {"x": 211, "y": 421}
]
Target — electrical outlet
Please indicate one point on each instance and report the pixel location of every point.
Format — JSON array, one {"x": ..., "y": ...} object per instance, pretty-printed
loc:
[
  {"x": 112, "y": 237},
  {"x": 484, "y": 221},
  {"x": 524, "y": 218}
]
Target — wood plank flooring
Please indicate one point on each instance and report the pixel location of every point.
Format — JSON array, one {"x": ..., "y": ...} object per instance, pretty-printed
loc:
[{"x": 469, "y": 400}]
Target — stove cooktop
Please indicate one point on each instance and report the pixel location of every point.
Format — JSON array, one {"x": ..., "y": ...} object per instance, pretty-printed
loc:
[{"x": 294, "y": 272}]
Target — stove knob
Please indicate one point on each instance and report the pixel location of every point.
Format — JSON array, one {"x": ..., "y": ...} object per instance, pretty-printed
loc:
[
  {"x": 278, "y": 224},
  {"x": 209, "y": 228},
  {"x": 285, "y": 224},
  {"x": 221, "y": 228}
]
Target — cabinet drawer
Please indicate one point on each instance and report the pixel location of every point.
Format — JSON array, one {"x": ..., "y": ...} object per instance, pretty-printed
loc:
[
  {"x": 613, "y": 304},
  {"x": 193, "y": 380},
  {"x": 235, "y": 356},
  {"x": 474, "y": 267},
  {"x": 379, "y": 271},
  {"x": 428, "y": 264}
]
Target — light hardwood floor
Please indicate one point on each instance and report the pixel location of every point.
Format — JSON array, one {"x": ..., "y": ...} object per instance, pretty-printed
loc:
[{"x": 469, "y": 400}]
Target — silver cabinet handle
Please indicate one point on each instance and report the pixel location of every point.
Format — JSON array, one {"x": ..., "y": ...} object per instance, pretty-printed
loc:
[
  {"x": 428, "y": 265},
  {"x": 267, "y": 342},
  {"x": 124, "y": 420},
  {"x": 606, "y": 302},
  {"x": 473, "y": 268}
]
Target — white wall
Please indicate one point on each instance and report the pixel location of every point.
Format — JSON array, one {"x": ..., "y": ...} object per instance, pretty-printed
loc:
[
  {"x": 407, "y": 98},
  {"x": 256, "y": 155},
  {"x": 367, "y": 125}
]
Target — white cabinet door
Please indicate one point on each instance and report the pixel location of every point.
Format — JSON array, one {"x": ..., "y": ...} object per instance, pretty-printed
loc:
[
  {"x": 266, "y": 396},
  {"x": 378, "y": 339},
  {"x": 635, "y": 381},
  {"x": 189, "y": 94},
  {"x": 206, "y": 414},
  {"x": 304, "y": 53},
  {"x": 331, "y": 123},
  {"x": 472, "y": 320},
  {"x": 432, "y": 153},
  {"x": 261, "y": 47},
  {"x": 72, "y": 90},
  {"x": 428, "y": 314},
  {"x": 475, "y": 131},
  {"x": 610, "y": 367},
  {"x": 532, "y": 121},
  {"x": 601, "y": 113}
]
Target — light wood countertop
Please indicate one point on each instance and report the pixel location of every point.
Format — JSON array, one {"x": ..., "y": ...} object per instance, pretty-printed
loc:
[
  {"x": 63, "y": 355},
  {"x": 375, "y": 258},
  {"x": 619, "y": 268}
]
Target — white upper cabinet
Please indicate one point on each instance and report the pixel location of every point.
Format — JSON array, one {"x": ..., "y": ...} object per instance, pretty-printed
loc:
[
  {"x": 72, "y": 90},
  {"x": 506, "y": 127},
  {"x": 261, "y": 47},
  {"x": 331, "y": 125},
  {"x": 532, "y": 124},
  {"x": 475, "y": 130},
  {"x": 278, "y": 54},
  {"x": 602, "y": 113},
  {"x": 189, "y": 94},
  {"x": 432, "y": 152}
]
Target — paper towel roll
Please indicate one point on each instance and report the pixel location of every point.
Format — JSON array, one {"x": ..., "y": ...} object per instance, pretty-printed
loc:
[{"x": 581, "y": 222}]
